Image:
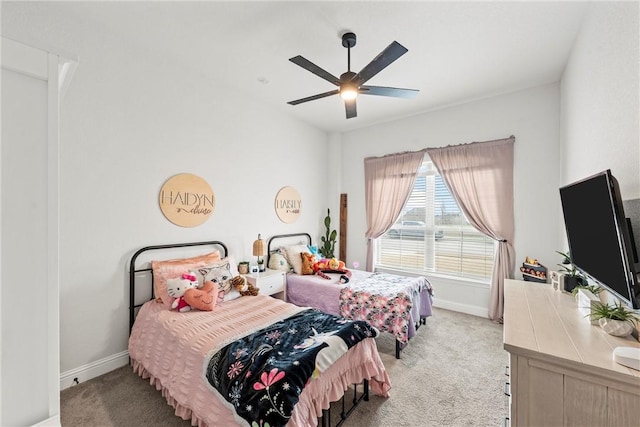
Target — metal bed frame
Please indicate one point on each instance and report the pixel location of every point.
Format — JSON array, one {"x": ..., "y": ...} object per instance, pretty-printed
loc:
[
  {"x": 307, "y": 236},
  {"x": 133, "y": 270},
  {"x": 325, "y": 419}
]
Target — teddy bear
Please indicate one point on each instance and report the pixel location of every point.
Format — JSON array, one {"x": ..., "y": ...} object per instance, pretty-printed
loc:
[
  {"x": 177, "y": 287},
  {"x": 244, "y": 286}
]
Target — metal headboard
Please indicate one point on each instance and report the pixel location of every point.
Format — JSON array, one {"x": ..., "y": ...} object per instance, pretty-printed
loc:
[
  {"x": 133, "y": 270},
  {"x": 307, "y": 236}
]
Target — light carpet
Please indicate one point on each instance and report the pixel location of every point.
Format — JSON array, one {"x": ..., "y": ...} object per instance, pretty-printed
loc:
[{"x": 450, "y": 374}]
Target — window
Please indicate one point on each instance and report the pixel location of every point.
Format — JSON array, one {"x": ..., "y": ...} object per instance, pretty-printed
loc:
[{"x": 432, "y": 235}]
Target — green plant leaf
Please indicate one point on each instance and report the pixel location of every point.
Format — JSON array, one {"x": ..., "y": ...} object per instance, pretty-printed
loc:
[{"x": 616, "y": 312}]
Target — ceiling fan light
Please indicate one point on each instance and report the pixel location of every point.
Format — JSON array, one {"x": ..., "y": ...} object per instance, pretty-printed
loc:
[{"x": 348, "y": 93}]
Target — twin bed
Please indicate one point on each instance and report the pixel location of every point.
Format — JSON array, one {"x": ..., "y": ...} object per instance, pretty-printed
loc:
[
  {"x": 239, "y": 363},
  {"x": 394, "y": 304}
]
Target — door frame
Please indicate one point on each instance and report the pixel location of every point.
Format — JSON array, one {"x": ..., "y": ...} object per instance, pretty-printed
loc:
[{"x": 57, "y": 70}]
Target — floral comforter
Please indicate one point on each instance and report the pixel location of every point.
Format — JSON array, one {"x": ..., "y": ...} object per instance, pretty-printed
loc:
[
  {"x": 384, "y": 300},
  {"x": 263, "y": 374}
]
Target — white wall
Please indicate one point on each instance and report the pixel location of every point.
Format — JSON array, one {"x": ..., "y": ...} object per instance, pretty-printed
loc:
[
  {"x": 532, "y": 116},
  {"x": 129, "y": 122},
  {"x": 601, "y": 98}
]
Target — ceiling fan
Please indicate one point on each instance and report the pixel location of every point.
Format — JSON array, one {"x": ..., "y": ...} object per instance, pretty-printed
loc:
[{"x": 351, "y": 84}]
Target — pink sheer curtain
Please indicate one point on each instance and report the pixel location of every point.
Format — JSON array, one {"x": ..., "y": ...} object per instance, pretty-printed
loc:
[
  {"x": 388, "y": 182},
  {"x": 480, "y": 177}
]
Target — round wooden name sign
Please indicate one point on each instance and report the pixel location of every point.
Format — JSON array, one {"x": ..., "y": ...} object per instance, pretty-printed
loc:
[
  {"x": 187, "y": 200},
  {"x": 288, "y": 205}
]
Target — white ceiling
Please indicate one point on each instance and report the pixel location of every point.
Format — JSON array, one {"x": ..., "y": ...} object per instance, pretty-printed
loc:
[{"x": 458, "y": 51}]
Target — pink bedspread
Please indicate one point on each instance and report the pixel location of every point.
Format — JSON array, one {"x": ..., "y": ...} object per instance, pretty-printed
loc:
[
  {"x": 391, "y": 303},
  {"x": 171, "y": 349}
]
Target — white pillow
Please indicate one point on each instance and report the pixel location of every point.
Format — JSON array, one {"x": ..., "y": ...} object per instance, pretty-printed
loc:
[
  {"x": 294, "y": 258},
  {"x": 277, "y": 261},
  {"x": 220, "y": 272}
]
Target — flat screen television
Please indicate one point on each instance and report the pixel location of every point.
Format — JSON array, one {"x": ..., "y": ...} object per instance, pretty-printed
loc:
[{"x": 600, "y": 243}]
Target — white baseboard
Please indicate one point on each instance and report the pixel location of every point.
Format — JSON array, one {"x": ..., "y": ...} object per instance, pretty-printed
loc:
[
  {"x": 49, "y": 422},
  {"x": 462, "y": 308},
  {"x": 94, "y": 369}
]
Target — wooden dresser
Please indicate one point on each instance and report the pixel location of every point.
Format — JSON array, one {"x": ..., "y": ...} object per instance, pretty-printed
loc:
[{"x": 561, "y": 368}]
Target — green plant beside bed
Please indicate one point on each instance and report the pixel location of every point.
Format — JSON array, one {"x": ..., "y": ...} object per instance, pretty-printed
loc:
[{"x": 329, "y": 239}]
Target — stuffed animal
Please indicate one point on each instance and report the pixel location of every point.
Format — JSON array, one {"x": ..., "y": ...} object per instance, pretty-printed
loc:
[
  {"x": 332, "y": 265},
  {"x": 335, "y": 264},
  {"x": 244, "y": 286},
  {"x": 308, "y": 260},
  {"x": 203, "y": 299},
  {"x": 177, "y": 287}
]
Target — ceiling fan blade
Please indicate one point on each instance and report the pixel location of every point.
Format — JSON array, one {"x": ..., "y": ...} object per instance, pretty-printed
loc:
[
  {"x": 314, "y": 97},
  {"x": 350, "y": 107},
  {"x": 392, "y": 52},
  {"x": 310, "y": 66},
  {"x": 388, "y": 91}
]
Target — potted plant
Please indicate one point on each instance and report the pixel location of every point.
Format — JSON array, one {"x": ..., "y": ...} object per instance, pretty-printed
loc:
[
  {"x": 615, "y": 320},
  {"x": 594, "y": 289},
  {"x": 586, "y": 296},
  {"x": 572, "y": 277},
  {"x": 243, "y": 267},
  {"x": 329, "y": 238}
]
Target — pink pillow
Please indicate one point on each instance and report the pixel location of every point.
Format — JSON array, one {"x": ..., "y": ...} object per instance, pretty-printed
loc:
[
  {"x": 204, "y": 299},
  {"x": 163, "y": 270}
]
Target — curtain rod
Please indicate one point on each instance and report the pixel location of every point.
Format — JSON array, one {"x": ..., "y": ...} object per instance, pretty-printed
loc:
[
  {"x": 396, "y": 154},
  {"x": 473, "y": 142}
]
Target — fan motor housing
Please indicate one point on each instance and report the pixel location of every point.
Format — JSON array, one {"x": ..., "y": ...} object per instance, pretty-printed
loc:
[
  {"x": 347, "y": 77},
  {"x": 348, "y": 40}
]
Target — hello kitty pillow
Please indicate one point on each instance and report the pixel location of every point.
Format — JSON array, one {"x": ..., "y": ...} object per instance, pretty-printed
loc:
[{"x": 170, "y": 269}]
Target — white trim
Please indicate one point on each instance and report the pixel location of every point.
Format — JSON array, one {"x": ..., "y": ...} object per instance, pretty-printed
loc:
[
  {"x": 57, "y": 71},
  {"x": 462, "y": 308},
  {"x": 53, "y": 233},
  {"x": 46, "y": 48},
  {"x": 67, "y": 69},
  {"x": 94, "y": 369},
  {"x": 25, "y": 59},
  {"x": 49, "y": 422},
  {"x": 1, "y": 241}
]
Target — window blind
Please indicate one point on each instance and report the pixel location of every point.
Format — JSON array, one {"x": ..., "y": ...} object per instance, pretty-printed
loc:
[{"x": 433, "y": 235}]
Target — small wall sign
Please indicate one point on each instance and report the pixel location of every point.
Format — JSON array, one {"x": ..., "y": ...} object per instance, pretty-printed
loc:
[
  {"x": 187, "y": 200},
  {"x": 288, "y": 205}
]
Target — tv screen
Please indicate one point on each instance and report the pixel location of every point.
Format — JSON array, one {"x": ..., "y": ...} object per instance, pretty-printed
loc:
[
  {"x": 632, "y": 211},
  {"x": 599, "y": 242}
]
